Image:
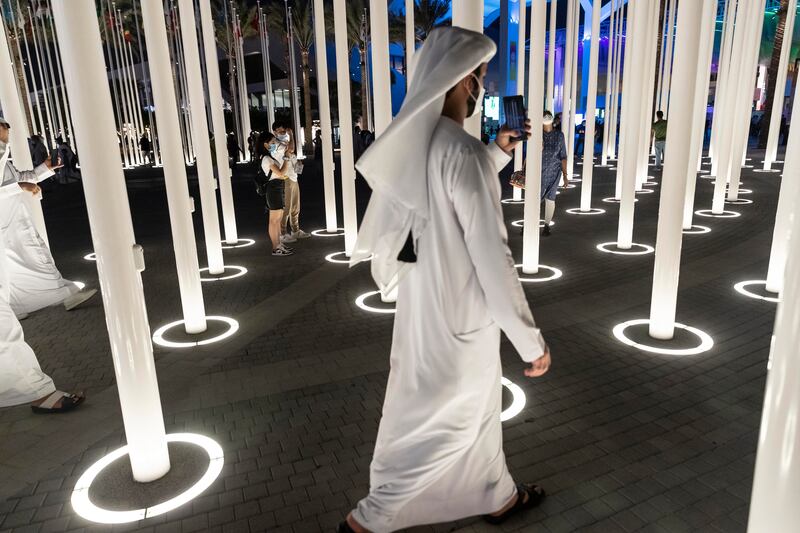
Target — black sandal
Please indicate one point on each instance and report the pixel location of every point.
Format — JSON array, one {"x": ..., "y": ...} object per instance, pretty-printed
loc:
[
  {"x": 68, "y": 403},
  {"x": 344, "y": 527},
  {"x": 535, "y": 496}
]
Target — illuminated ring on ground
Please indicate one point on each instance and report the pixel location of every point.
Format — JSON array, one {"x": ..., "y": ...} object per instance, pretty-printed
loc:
[
  {"x": 332, "y": 258},
  {"x": 361, "y": 302},
  {"x": 90, "y": 257},
  {"x": 704, "y": 171},
  {"x": 556, "y": 273},
  {"x": 745, "y": 191},
  {"x": 325, "y": 233},
  {"x": 241, "y": 243},
  {"x": 650, "y": 184},
  {"x": 706, "y": 342},
  {"x": 158, "y": 336},
  {"x": 708, "y": 177},
  {"x": 83, "y": 506},
  {"x": 570, "y": 186},
  {"x": 643, "y": 249},
  {"x": 724, "y": 214},
  {"x": 511, "y": 201},
  {"x": 590, "y": 211},
  {"x": 697, "y": 230},
  {"x": 747, "y": 166},
  {"x": 616, "y": 200},
  {"x": 240, "y": 271},
  {"x": 739, "y": 201},
  {"x": 645, "y": 191},
  {"x": 766, "y": 171},
  {"x": 81, "y": 285},
  {"x": 741, "y": 288},
  {"x": 521, "y": 223},
  {"x": 517, "y": 403}
]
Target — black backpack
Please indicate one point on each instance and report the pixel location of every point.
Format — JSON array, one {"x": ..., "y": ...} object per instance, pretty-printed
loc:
[{"x": 262, "y": 179}]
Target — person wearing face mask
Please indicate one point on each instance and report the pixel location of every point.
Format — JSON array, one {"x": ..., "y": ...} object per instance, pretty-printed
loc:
[
  {"x": 290, "y": 222},
  {"x": 554, "y": 165},
  {"x": 272, "y": 174},
  {"x": 434, "y": 231}
]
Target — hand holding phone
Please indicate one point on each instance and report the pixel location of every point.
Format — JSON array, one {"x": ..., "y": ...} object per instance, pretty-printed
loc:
[{"x": 514, "y": 111}]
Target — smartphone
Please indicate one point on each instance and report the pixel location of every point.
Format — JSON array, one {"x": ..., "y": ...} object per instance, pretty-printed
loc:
[{"x": 514, "y": 111}]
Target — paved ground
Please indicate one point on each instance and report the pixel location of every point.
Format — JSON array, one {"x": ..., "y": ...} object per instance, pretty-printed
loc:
[{"x": 622, "y": 440}]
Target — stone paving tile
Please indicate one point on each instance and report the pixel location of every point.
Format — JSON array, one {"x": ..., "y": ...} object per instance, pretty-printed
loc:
[{"x": 622, "y": 440}]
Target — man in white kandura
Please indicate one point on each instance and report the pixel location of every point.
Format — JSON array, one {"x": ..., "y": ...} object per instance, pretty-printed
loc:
[
  {"x": 35, "y": 282},
  {"x": 435, "y": 230},
  {"x": 21, "y": 378}
]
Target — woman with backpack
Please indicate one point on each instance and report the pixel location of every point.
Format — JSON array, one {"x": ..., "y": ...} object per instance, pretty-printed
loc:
[{"x": 271, "y": 175}]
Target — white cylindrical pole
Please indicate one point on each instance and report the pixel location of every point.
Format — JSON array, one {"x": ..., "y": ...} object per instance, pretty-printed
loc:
[
  {"x": 267, "y": 68},
  {"x": 523, "y": 11},
  {"x": 566, "y": 83},
  {"x": 179, "y": 201},
  {"x": 611, "y": 50},
  {"x": 780, "y": 88},
  {"x": 632, "y": 95},
  {"x": 382, "y": 85},
  {"x": 295, "y": 94},
  {"x": 348, "y": 169},
  {"x": 60, "y": 70},
  {"x": 663, "y": 103},
  {"x": 15, "y": 114},
  {"x": 648, "y": 113},
  {"x": 705, "y": 54},
  {"x": 591, "y": 104},
  {"x": 128, "y": 90},
  {"x": 573, "y": 97},
  {"x": 533, "y": 169},
  {"x": 411, "y": 38},
  {"x": 112, "y": 236},
  {"x": 47, "y": 131},
  {"x": 551, "y": 59},
  {"x": 197, "y": 108},
  {"x": 125, "y": 121},
  {"x": 469, "y": 14},
  {"x": 691, "y": 19},
  {"x": 615, "y": 88},
  {"x": 724, "y": 60},
  {"x": 325, "y": 116},
  {"x": 788, "y": 206},
  {"x": 218, "y": 121},
  {"x": 776, "y": 482}
]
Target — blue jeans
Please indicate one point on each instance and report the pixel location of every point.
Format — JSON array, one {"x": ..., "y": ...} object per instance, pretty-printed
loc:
[{"x": 660, "y": 153}]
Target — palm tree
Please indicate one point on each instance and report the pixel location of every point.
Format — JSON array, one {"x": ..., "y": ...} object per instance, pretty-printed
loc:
[
  {"x": 772, "y": 73},
  {"x": 429, "y": 14}
]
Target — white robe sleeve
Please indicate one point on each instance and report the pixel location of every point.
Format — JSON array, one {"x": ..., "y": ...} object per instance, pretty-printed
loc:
[
  {"x": 499, "y": 157},
  {"x": 477, "y": 207}
]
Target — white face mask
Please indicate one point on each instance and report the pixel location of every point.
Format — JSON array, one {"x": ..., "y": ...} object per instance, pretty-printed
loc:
[
  {"x": 478, "y": 99},
  {"x": 283, "y": 138},
  {"x": 547, "y": 121}
]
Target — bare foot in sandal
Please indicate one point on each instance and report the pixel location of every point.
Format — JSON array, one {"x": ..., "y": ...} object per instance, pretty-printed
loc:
[
  {"x": 528, "y": 497},
  {"x": 57, "y": 402}
]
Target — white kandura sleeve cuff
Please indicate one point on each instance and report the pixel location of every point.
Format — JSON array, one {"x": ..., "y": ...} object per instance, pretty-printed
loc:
[
  {"x": 42, "y": 172},
  {"x": 536, "y": 352},
  {"x": 499, "y": 157}
]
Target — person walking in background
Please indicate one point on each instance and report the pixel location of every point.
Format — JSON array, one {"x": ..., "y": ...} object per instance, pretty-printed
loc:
[
  {"x": 290, "y": 222},
  {"x": 659, "y": 133},
  {"x": 272, "y": 174},
  {"x": 554, "y": 165}
]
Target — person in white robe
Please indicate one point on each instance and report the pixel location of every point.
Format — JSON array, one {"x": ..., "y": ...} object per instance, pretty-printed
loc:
[
  {"x": 435, "y": 232},
  {"x": 35, "y": 281},
  {"x": 21, "y": 377}
]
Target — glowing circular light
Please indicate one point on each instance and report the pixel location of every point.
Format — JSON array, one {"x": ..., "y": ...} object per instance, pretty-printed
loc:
[
  {"x": 747, "y": 166},
  {"x": 239, "y": 271},
  {"x": 90, "y": 257},
  {"x": 643, "y": 249},
  {"x": 741, "y": 288},
  {"x": 739, "y": 201},
  {"x": 708, "y": 177},
  {"x": 83, "y": 506},
  {"x": 361, "y": 302},
  {"x": 325, "y": 233},
  {"x": 650, "y": 184},
  {"x": 241, "y": 243},
  {"x": 81, "y": 285},
  {"x": 706, "y": 342},
  {"x": 745, "y": 191},
  {"x": 556, "y": 273},
  {"x": 158, "y": 336},
  {"x": 521, "y": 223},
  {"x": 511, "y": 201},
  {"x": 766, "y": 171},
  {"x": 724, "y": 214},
  {"x": 570, "y": 186},
  {"x": 704, "y": 171},
  {"x": 590, "y": 211},
  {"x": 645, "y": 191},
  {"x": 517, "y": 403},
  {"x": 616, "y": 200},
  {"x": 336, "y": 258},
  {"x": 697, "y": 230}
]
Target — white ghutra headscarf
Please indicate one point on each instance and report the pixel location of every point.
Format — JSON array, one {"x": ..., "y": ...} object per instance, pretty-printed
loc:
[{"x": 396, "y": 164}]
